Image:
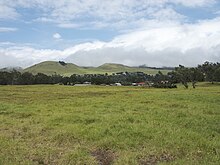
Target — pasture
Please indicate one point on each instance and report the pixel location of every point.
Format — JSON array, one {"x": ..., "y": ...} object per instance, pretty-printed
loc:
[{"x": 52, "y": 124}]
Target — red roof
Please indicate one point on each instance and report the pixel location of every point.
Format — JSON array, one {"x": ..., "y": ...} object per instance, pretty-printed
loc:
[{"x": 141, "y": 83}]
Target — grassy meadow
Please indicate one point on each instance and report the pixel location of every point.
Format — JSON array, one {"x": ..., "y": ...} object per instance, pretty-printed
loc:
[{"x": 52, "y": 124}]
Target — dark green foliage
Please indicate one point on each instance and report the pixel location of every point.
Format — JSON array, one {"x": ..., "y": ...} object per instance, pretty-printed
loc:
[
  {"x": 217, "y": 75},
  {"x": 62, "y": 63},
  {"x": 9, "y": 78},
  {"x": 210, "y": 71},
  {"x": 26, "y": 79},
  {"x": 164, "y": 84},
  {"x": 207, "y": 71}
]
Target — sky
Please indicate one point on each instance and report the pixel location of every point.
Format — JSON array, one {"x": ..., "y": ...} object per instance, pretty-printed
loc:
[{"x": 93, "y": 32}]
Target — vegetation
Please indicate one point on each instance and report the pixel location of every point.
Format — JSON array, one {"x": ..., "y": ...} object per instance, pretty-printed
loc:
[
  {"x": 207, "y": 71},
  {"x": 67, "y": 69},
  {"x": 50, "y": 68},
  {"x": 52, "y": 124}
]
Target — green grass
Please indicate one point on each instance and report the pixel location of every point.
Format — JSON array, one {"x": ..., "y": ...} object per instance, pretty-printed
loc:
[
  {"x": 102, "y": 125},
  {"x": 51, "y": 67}
]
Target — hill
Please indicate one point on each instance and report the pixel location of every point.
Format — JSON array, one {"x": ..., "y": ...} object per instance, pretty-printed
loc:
[
  {"x": 67, "y": 69},
  {"x": 52, "y": 67},
  {"x": 113, "y": 67},
  {"x": 110, "y": 67}
]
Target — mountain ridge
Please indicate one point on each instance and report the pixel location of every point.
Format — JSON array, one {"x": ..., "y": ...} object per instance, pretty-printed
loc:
[{"x": 67, "y": 69}]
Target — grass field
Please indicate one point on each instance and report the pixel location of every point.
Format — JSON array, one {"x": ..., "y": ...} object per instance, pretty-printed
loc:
[{"x": 109, "y": 125}]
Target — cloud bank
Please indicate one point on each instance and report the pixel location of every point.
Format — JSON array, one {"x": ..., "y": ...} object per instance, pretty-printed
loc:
[
  {"x": 188, "y": 44},
  {"x": 170, "y": 45},
  {"x": 98, "y": 13},
  {"x": 152, "y": 32}
]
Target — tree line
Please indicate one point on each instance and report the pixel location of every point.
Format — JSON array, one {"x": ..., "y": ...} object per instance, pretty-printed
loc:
[{"x": 205, "y": 72}]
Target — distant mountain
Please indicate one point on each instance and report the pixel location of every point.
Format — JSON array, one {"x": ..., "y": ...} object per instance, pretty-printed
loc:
[
  {"x": 67, "y": 69},
  {"x": 113, "y": 67},
  {"x": 110, "y": 67},
  {"x": 10, "y": 69}
]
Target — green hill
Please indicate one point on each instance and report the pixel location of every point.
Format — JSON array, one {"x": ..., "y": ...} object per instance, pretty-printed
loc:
[
  {"x": 113, "y": 67},
  {"x": 51, "y": 67},
  {"x": 67, "y": 69},
  {"x": 110, "y": 67}
]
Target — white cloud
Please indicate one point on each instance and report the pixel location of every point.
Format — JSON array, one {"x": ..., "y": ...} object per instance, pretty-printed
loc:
[
  {"x": 166, "y": 14},
  {"x": 99, "y": 13},
  {"x": 159, "y": 44},
  {"x": 154, "y": 33},
  {"x": 194, "y": 3},
  {"x": 26, "y": 56},
  {"x": 7, "y": 12},
  {"x": 7, "y": 29},
  {"x": 69, "y": 25},
  {"x": 57, "y": 36},
  {"x": 8, "y": 61},
  {"x": 6, "y": 44}
]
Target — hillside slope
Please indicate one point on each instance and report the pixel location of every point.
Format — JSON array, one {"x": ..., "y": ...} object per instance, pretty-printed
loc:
[
  {"x": 110, "y": 67},
  {"x": 67, "y": 69},
  {"x": 113, "y": 67},
  {"x": 52, "y": 67}
]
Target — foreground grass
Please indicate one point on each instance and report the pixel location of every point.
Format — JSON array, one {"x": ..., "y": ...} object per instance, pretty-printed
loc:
[{"x": 109, "y": 125}]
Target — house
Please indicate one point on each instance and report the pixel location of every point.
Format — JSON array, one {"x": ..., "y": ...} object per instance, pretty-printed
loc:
[
  {"x": 134, "y": 84},
  {"x": 140, "y": 84},
  {"x": 84, "y": 84},
  {"x": 117, "y": 84},
  {"x": 121, "y": 73},
  {"x": 87, "y": 83}
]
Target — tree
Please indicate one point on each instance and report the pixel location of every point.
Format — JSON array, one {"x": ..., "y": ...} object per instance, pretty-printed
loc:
[
  {"x": 62, "y": 63},
  {"x": 216, "y": 75},
  {"x": 4, "y": 78},
  {"x": 183, "y": 75},
  {"x": 41, "y": 78},
  {"x": 208, "y": 69},
  {"x": 195, "y": 76},
  {"x": 26, "y": 79}
]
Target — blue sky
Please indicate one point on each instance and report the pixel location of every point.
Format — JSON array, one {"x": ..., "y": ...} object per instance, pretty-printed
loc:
[{"x": 93, "y": 32}]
